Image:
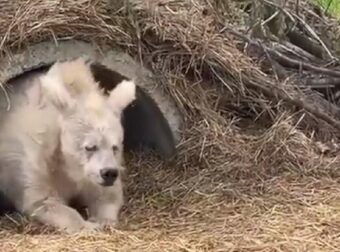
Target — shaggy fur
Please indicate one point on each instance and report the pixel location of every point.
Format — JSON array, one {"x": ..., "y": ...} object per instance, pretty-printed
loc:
[{"x": 62, "y": 141}]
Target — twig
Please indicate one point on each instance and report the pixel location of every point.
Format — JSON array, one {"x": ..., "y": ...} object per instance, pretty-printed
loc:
[
  {"x": 264, "y": 22},
  {"x": 312, "y": 32},
  {"x": 272, "y": 62},
  {"x": 291, "y": 49},
  {"x": 308, "y": 28},
  {"x": 323, "y": 82},
  {"x": 283, "y": 59},
  {"x": 304, "y": 42},
  {"x": 297, "y": 7},
  {"x": 290, "y": 16}
]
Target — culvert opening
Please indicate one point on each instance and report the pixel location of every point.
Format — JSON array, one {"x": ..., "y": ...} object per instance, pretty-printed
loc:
[{"x": 151, "y": 122}]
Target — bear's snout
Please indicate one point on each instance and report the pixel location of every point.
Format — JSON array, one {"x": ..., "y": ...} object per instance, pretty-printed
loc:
[{"x": 109, "y": 175}]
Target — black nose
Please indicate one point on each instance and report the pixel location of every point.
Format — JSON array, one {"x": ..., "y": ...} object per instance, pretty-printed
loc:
[{"x": 109, "y": 176}]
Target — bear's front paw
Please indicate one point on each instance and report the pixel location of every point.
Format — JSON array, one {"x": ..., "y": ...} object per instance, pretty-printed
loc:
[
  {"x": 105, "y": 223},
  {"x": 88, "y": 227},
  {"x": 92, "y": 226}
]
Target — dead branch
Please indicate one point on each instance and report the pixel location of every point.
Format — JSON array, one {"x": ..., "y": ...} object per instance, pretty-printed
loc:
[
  {"x": 298, "y": 39},
  {"x": 279, "y": 94},
  {"x": 286, "y": 60}
]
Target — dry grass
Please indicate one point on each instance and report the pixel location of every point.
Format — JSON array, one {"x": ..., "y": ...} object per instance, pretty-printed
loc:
[{"x": 249, "y": 176}]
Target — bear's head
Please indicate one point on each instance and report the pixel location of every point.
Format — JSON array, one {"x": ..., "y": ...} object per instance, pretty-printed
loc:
[{"x": 91, "y": 133}]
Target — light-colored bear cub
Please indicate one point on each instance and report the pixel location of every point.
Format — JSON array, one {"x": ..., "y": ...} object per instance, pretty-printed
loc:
[{"x": 65, "y": 140}]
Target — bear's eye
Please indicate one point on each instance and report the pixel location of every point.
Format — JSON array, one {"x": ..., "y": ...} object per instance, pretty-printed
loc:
[
  {"x": 91, "y": 148},
  {"x": 115, "y": 148}
]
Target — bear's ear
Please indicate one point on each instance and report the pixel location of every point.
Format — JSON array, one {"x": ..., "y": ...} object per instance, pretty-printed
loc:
[
  {"x": 53, "y": 88},
  {"x": 122, "y": 95}
]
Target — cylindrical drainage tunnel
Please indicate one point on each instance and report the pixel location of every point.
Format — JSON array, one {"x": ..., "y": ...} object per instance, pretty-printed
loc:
[{"x": 151, "y": 123}]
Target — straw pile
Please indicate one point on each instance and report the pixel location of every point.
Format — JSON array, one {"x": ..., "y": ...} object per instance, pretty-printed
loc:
[{"x": 257, "y": 168}]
